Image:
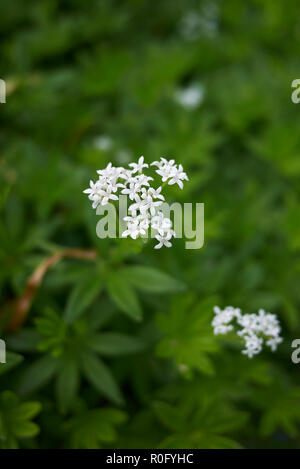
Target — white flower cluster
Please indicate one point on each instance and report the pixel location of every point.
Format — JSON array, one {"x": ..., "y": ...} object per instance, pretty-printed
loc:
[
  {"x": 255, "y": 328},
  {"x": 144, "y": 211}
]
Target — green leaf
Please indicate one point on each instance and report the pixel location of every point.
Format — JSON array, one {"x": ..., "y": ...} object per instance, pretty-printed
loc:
[
  {"x": 170, "y": 416},
  {"x": 28, "y": 410},
  {"x": 151, "y": 279},
  {"x": 188, "y": 336},
  {"x": 25, "y": 429},
  {"x": 101, "y": 76},
  {"x": 9, "y": 400},
  {"x": 217, "y": 442},
  {"x": 198, "y": 441},
  {"x": 90, "y": 428},
  {"x": 15, "y": 419},
  {"x": 281, "y": 410},
  {"x": 176, "y": 441},
  {"x": 112, "y": 343},
  {"x": 25, "y": 340},
  {"x": 123, "y": 295},
  {"x": 53, "y": 331},
  {"x": 12, "y": 360},
  {"x": 99, "y": 375},
  {"x": 67, "y": 383},
  {"x": 38, "y": 374},
  {"x": 82, "y": 296},
  {"x": 101, "y": 313}
]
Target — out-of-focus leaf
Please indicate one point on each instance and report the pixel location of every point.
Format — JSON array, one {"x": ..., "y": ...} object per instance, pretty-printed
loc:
[
  {"x": 151, "y": 279},
  {"x": 15, "y": 419},
  {"x": 67, "y": 383},
  {"x": 124, "y": 296},
  {"x": 113, "y": 343},
  {"x": 188, "y": 336},
  {"x": 53, "y": 332},
  {"x": 100, "y": 376},
  {"x": 38, "y": 374},
  {"x": 90, "y": 429},
  {"x": 82, "y": 297},
  {"x": 282, "y": 412},
  {"x": 12, "y": 360},
  {"x": 25, "y": 340}
]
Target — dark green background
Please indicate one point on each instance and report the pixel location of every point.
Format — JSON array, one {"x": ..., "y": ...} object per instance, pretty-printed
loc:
[{"x": 79, "y": 69}]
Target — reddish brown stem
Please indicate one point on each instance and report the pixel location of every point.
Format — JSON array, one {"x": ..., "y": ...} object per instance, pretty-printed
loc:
[{"x": 21, "y": 306}]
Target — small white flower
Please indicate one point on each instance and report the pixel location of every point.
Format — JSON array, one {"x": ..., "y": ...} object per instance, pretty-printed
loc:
[
  {"x": 190, "y": 97},
  {"x": 164, "y": 240},
  {"x": 163, "y": 162},
  {"x": 156, "y": 193},
  {"x": 273, "y": 342},
  {"x": 135, "y": 227},
  {"x": 253, "y": 345},
  {"x": 96, "y": 201},
  {"x": 143, "y": 180},
  {"x": 113, "y": 185},
  {"x": 178, "y": 177},
  {"x": 138, "y": 167},
  {"x": 132, "y": 230},
  {"x": 165, "y": 172},
  {"x": 107, "y": 195},
  {"x": 131, "y": 191},
  {"x": 143, "y": 220},
  {"x": 161, "y": 224},
  {"x": 249, "y": 324},
  {"x": 92, "y": 190},
  {"x": 144, "y": 204},
  {"x": 153, "y": 205},
  {"x": 126, "y": 174},
  {"x": 110, "y": 172},
  {"x": 94, "y": 193},
  {"x": 157, "y": 163},
  {"x": 123, "y": 156},
  {"x": 140, "y": 205},
  {"x": 106, "y": 171},
  {"x": 168, "y": 170},
  {"x": 103, "y": 142}
]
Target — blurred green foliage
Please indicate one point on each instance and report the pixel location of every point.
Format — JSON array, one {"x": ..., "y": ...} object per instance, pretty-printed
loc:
[{"x": 119, "y": 352}]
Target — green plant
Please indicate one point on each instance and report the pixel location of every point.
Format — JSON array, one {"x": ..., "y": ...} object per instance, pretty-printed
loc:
[{"x": 110, "y": 339}]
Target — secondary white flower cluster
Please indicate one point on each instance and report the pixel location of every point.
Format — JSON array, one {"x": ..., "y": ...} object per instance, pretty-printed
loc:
[
  {"x": 144, "y": 211},
  {"x": 256, "y": 329}
]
